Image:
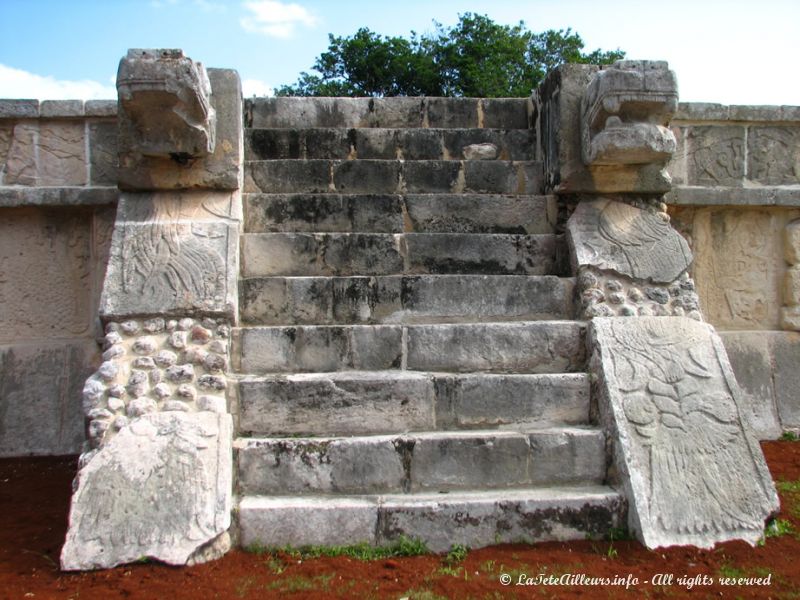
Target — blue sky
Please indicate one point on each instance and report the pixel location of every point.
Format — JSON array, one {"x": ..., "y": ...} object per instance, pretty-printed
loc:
[{"x": 734, "y": 52}]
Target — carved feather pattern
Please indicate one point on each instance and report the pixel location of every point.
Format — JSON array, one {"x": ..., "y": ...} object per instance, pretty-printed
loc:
[{"x": 687, "y": 426}]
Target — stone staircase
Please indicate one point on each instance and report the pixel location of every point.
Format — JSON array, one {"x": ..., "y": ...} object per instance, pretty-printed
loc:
[{"x": 407, "y": 359}]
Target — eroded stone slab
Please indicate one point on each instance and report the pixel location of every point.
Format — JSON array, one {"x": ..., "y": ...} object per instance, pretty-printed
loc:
[
  {"x": 638, "y": 243},
  {"x": 690, "y": 468},
  {"x": 173, "y": 254},
  {"x": 160, "y": 489}
]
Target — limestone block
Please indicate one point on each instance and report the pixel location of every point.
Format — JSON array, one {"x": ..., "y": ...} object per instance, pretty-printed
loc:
[
  {"x": 173, "y": 254},
  {"x": 19, "y": 109},
  {"x": 791, "y": 286},
  {"x": 791, "y": 243},
  {"x": 453, "y": 113},
  {"x": 790, "y": 318},
  {"x": 773, "y": 155},
  {"x": 739, "y": 266},
  {"x": 20, "y": 163},
  {"x": 298, "y": 521},
  {"x": 337, "y": 403},
  {"x": 637, "y": 243},
  {"x": 750, "y": 355},
  {"x": 61, "y": 108},
  {"x": 103, "y": 152},
  {"x": 488, "y": 400},
  {"x": 690, "y": 468},
  {"x": 477, "y": 519},
  {"x": 45, "y": 274},
  {"x": 62, "y": 153},
  {"x": 480, "y": 152},
  {"x": 535, "y": 347},
  {"x": 272, "y": 466},
  {"x": 785, "y": 350},
  {"x": 160, "y": 489},
  {"x": 716, "y": 155},
  {"x": 506, "y": 113},
  {"x": 219, "y": 170},
  {"x": 325, "y": 348},
  {"x": 40, "y": 390},
  {"x": 6, "y": 135}
]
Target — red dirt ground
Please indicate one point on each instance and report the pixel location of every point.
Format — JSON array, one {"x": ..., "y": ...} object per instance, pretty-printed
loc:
[{"x": 34, "y": 500}]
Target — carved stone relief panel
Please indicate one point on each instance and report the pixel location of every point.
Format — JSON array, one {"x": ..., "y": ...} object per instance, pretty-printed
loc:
[
  {"x": 739, "y": 266},
  {"x": 173, "y": 254},
  {"x": 773, "y": 155},
  {"x": 692, "y": 472},
  {"x": 45, "y": 274},
  {"x": 716, "y": 156}
]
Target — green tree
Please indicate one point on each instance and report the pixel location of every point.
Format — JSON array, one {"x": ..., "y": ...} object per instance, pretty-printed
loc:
[{"x": 475, "y": 58}]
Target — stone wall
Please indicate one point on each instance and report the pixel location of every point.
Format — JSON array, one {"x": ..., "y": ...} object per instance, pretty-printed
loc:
[
  {"x": 57, "y": 206},
  {"x": 736, "y": 199}
]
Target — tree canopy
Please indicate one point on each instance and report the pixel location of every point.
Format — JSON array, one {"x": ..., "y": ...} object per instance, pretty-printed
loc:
[{"x": 474, "y": 58}]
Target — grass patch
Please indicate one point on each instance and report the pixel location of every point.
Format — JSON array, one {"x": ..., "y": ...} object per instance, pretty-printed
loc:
[
  {"x": 457, "y": 554},
  {"x": 789, "y": 436},
  {"x": 297, "y": 583},
  {"x": 779, "y": 527},
  {"x": 729, "y": 571},
  {"x": 363, "y": 551}
]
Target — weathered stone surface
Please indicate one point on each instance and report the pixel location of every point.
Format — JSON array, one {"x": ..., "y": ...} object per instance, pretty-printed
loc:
[
  {"x": 535, "y": 347},
  {"x": 40, "y": 388},
  {"x": 390, "y": 213},
  {"x": 738, "y": 265},
  {"x": 773, "y": 155},
  {"x": 100, "y": 108},
  {"x": 20, "y": 166},
  {"x": 689, "y": 467},
  {"x": 321, "y": 349},
  {"x": 366, "y": 176},
  {"x": 506, "y": 113},
  {"x": 61, "y": 154},
  {"x": 480, "y": 253},
  {"x": 403, "y": 299},
  {"x": 337, "y": 403},
  {"x": 474, "y": 519},
  {"x": 11, "y": 197},
  {"x": 785, "y": 350},
  {"x": 459, "y": 113},
  {"x": 716, "y": 155},
  {"x": 103, "y": 152},
  {"x": 46, "y": 262},
  {"x": 477, "y": 519},
  {"x": 161, "y": 489},
  {"x": 343, "y": 254},
  {"x": 299, "y": 521},
  {"x": 484, "y": 151},
  {"x": 217, "y": 170},
  {"x": 727, "y": 196},
  {"x": 640, "y": 244},
  {"x": 61, "y": 108},
  {"x": 360, "y": 465},
  {"x": 165, "y": 105},
  {"x": 751, "y": 360},
  {"x": 625, "y": 111},
  {"x": 19, "y": 109},
  {"x": 442, "y": 461},
  {"x": 322, "y": 213},
  {"x": 791, "y": 243},
  {"x": 173, "y": 254},
  {"x": 474, "y": 213},
  {"x": 487, "y": 400}
]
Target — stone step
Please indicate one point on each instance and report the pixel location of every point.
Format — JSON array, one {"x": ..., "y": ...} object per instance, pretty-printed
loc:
[
  {"x": 346, "y": 254},
  {"x": 386, "y": 144},
  {"x": 393, "y": 176},
  {"x": 398, "y": 112},
  {"x": 420, "y": 213},
  {"x": 372, "y": 402},
  {"x": 521, "y": 347},
  {"x": 404, "y": 299},
  {"x": 470, "y": 518},
  {"x": 439, "y": 461}
]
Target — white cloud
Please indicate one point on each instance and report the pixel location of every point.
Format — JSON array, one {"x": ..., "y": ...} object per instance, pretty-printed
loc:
[
  {"x": 275, "y": 19},
  {"x": 16, "y": 83},
  {"x": 256, "y": 87}
]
